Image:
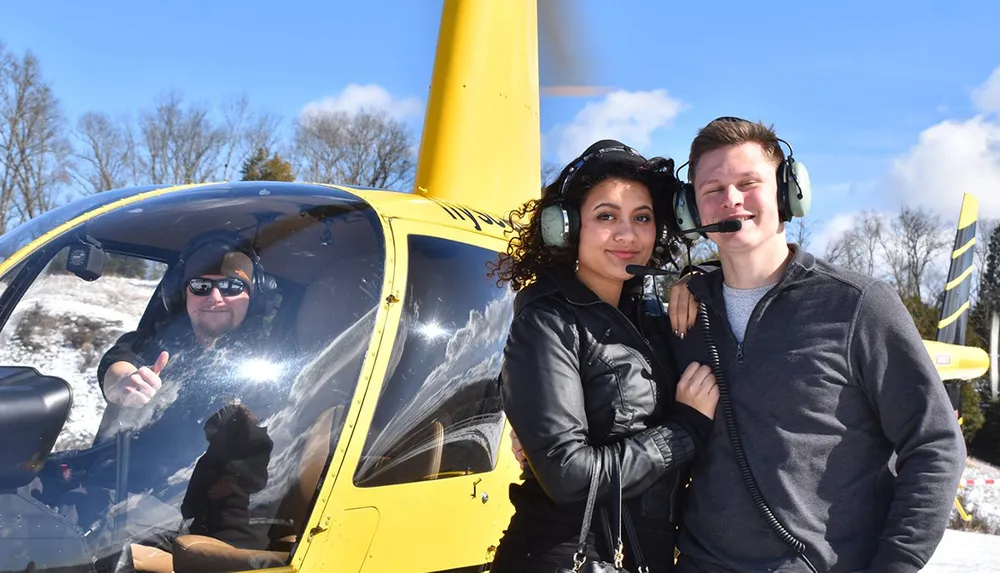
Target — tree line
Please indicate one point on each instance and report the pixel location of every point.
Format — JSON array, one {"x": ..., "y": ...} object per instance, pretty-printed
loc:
[{"x": 47, "y": 158}]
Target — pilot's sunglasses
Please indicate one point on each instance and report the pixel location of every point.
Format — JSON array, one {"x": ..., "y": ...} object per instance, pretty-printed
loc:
[{"x": 226, "y": 286}]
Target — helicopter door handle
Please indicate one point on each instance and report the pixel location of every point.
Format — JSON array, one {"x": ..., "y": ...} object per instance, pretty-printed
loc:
[{"x": 486, "y": 496}]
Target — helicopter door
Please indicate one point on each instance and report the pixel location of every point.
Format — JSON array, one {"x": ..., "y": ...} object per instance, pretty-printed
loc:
[{"x": 423, "y": 485}]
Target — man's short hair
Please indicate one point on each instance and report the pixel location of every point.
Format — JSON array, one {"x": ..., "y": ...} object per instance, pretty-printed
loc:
[{"x": 726, "y": 131}]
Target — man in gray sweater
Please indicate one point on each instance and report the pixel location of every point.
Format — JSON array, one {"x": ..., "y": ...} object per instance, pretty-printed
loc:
[{"x": 825, "y": 376}]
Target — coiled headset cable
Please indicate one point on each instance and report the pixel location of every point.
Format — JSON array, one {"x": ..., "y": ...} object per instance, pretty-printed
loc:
[{"x": 734, "y": 438}]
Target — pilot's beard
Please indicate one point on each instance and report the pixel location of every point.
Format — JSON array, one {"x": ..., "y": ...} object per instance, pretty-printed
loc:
[{"x": 208, "y": 331}]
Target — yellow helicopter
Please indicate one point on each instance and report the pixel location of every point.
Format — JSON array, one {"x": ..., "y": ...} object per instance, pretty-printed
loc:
[
  {"x": 390, "y": 450},
  {"x": 384, "y": 337}
]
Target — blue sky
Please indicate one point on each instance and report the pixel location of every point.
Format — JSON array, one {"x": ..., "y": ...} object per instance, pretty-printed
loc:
[{"x": 885, "y": 104}]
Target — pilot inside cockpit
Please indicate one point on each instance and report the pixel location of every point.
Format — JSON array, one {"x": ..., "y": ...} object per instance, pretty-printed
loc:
[
  {"x": 194, "y": 373},
  {"x": 214, "y": 281}
]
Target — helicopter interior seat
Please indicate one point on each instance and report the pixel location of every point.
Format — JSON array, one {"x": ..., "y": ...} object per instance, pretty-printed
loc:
[
  {"x": 147, "y": 559},
  {"x": 421, "y": 466},
  {"x": 333, "y": 301}
]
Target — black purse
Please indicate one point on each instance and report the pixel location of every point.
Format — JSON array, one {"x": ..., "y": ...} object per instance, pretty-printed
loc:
[{"x": 580, "y": 563}]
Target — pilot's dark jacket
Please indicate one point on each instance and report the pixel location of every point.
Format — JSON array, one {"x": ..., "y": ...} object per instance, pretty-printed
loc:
[
  {"x": 239, "y": 450},
  {"x": 166, "y": 434},
  {"x": 580, "y": 379}
]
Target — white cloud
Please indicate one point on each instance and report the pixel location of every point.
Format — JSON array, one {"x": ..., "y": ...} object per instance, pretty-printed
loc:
[
  {"x": 987, "y": 96},
  {"x": 950, "y": 159},
  {"x": 355, "y": 98},
  {"x": 631, "y": 117},
  {"x": 955, "y": 157},
  {"x": 830, "y": 232}
]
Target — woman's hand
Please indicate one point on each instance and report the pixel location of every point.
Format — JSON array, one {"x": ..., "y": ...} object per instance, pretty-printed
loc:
[{"x": 697, "y": 388}]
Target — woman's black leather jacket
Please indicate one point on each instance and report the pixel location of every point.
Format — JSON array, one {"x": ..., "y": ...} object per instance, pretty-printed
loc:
[{"x": 579, "y": 379}]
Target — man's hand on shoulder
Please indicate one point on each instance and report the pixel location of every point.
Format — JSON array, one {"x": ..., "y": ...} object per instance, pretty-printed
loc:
[{"x": 682, "y": 308}]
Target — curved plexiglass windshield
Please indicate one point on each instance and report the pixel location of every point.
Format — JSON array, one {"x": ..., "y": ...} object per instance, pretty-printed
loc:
[{"x": 254, "y": 374}]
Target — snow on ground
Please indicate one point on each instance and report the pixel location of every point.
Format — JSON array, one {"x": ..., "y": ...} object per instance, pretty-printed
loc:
[
  {"x": 76, "y": 321},
  {"x": 965, "y": 552},
  {"x": 62, "y": 326},
  {"x": 980, "y": 500}
]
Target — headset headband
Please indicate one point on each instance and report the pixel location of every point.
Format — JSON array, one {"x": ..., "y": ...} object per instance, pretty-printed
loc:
[
  {"x": 791, "y": 152},
  {"x": 580, "y": 162}
]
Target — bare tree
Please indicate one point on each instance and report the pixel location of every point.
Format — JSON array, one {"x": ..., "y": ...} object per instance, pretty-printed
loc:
[
  {"x": 368, "y": 149},
  {"x": 245, "y": 131},
  {"x": 7, "y": 171},
  {"x": 984, "y": 231},
  {"x": 104, "y": 155},
  {"x": 177, "y": 145},
  {"x": 550, "y": 171},
  {"x": 320, "y": 145},
  {"x": 860, "y": 248},
  {"x": 33, "y": 147},
  {"x": 917, "y": 238},
  {"x": 800, "y": 231}
]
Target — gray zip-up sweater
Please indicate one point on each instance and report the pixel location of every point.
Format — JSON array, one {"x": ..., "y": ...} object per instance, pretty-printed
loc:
[{"x": 831, "y": 378}]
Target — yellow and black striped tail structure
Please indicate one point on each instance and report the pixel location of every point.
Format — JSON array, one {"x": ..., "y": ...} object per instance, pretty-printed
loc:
[{"x": 955, "y": 307}]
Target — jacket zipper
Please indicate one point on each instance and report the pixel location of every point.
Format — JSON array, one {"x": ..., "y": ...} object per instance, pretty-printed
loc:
[
  {"x": 642, "y": 339},
  {"x": 746, "y": 335},
  {"x": 729, "y": 331},
  {"x": 645, "y": 343},
  {"x": 635, "y": 331}
]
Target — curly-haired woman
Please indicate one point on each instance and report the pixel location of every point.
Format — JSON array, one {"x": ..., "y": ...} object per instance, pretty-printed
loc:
[{"x": 584, "y": 376}]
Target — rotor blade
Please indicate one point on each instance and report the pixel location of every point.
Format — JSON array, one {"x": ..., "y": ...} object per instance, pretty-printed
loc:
[
  {"x": 994, "y": 336},
  {"x": 565, "y": 63}
]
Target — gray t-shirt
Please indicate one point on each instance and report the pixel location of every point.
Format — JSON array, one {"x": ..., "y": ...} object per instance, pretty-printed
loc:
[{"x": 740, "y": 303}]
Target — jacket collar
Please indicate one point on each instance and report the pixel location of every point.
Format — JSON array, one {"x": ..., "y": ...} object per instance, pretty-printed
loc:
[
  {"x": 570, "y": 288},
  {"x": 708, "y": 287}
]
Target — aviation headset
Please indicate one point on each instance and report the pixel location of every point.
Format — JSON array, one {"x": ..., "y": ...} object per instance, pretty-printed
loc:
[
  {"x": 560, "y": 223},
  {"x": 794, "y": 191},
  {"x": 172, "y": 285}
]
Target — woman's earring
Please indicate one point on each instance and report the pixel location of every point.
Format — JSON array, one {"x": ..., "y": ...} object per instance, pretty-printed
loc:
[{"x": 577, "y": 269}]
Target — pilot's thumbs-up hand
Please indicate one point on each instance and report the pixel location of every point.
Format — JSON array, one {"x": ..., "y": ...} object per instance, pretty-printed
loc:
[{"x": 138, "y": 388}]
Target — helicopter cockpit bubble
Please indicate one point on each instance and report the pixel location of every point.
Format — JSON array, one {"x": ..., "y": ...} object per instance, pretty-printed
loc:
[{"x": 117, "y": 477}]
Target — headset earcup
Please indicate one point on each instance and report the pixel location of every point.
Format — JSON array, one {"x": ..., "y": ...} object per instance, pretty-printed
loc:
[
  {"x": 799, "y": 190},
  {"x": 170, "y": 288},
  {"x": 262, "y": 296},
  {"x": 685, "y": 210},
  {"x": 573, "y": 216},
  {"x": 555, "y": 226},
  {"x": 781, "y": 176}
]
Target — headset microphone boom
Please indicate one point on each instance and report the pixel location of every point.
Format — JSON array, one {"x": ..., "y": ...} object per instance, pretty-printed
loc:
[{"x": 727, "y": 226}]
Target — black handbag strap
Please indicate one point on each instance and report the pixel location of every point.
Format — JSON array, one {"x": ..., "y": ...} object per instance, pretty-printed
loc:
[
  {"x": 579, "y": 558},
  {"x": 633, "y": 541}
]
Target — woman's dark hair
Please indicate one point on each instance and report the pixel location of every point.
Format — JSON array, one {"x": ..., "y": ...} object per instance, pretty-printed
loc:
[{"x": 527, "y": 255}]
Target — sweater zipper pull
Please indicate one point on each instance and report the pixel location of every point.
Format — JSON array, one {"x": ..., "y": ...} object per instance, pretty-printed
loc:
[{"x": 739, "y": 352}]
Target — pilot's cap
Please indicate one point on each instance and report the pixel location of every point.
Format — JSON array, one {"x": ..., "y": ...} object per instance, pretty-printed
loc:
[{"x": 218, "y": 259}]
